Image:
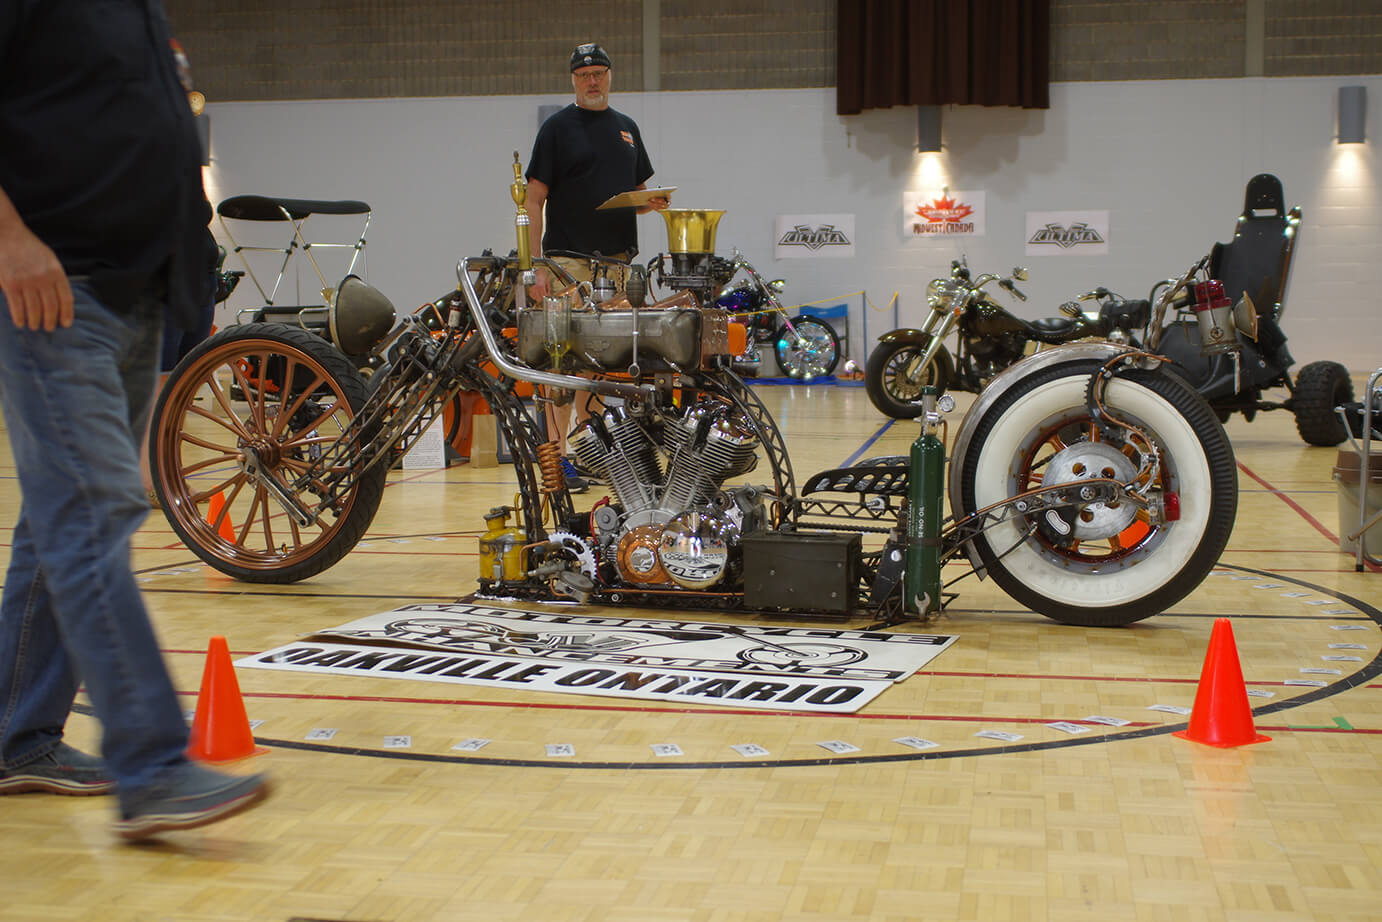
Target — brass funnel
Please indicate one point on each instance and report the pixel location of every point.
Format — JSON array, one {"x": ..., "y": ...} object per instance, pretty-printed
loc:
[{"x": 690, "y": 230}]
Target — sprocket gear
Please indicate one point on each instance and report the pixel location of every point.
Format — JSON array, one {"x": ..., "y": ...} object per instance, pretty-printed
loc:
[{"x": 577, "y": 548}]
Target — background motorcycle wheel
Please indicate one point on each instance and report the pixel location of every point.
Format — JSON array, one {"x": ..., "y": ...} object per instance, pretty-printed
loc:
[
  {"x": 1144, "y": 568},
  {"x": 812, "y": 353},
  {"x": 289, "y": 393},
  {"x": 886, "y": 382},
  {"x": 1320, "y": 387}
]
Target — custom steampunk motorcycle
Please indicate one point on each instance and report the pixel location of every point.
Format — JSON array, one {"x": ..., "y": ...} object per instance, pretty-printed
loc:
[
  {"x": 990, "y": 338},
  {"x": 1093, "y": 487}
]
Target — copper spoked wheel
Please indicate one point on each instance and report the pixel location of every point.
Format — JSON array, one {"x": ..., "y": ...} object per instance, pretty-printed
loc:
[
  {"x": 272, "y": 395},
  {"x": 1115, "y": 565}
]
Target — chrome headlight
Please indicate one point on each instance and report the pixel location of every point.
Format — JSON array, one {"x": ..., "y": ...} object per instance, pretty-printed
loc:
[
  {"x": 942, "y": 294},
  {"x": 777, "y": 285}
]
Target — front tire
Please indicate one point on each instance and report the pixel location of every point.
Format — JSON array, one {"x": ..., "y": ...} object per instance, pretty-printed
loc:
[
  {"x": 1138, "y": 568},
  {"x": 287, "y": 394},
  {"x": 890, "y": 386},
  {"x": 812, "y": 353},
  {"x": 1320, "y": 387}
]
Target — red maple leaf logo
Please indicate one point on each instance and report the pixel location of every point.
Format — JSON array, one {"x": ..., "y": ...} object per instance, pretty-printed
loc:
[{"x": 944, "y": 209}]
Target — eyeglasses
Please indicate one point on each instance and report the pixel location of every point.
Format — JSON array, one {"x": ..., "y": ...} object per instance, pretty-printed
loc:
[{"x": 594, "y": 75}]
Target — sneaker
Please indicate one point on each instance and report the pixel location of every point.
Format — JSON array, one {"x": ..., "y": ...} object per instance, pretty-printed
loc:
[
  {"x": 62, "y": 771},
  {"x": 575, "y": 483},
  {"x": 193, "y": 796}
]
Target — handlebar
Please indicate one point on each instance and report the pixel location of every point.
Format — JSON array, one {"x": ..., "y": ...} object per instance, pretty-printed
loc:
[{"x": 1008, "y": 286}]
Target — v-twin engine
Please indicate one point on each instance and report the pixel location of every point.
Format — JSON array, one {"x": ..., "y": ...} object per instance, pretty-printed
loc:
[{"x": 673, "y": 523}]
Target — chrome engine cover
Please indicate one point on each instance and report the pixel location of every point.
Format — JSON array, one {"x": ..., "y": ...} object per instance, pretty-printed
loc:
[
  {"x": 668, "y": 480},
  {"x": 672, "y": 335}
]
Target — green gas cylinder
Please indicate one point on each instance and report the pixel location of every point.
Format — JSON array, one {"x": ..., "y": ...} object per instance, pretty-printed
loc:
[{"x": 922, "y": 578}]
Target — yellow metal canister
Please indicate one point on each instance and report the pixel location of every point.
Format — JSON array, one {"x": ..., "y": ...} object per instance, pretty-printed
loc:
[{"x": 501, "y": 547}]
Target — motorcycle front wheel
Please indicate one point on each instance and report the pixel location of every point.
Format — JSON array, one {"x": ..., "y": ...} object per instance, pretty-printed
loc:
[
  {"x": 271, "y": 394},
  {"x": 812, "y": 352},
  {"x": 894, "y": 384},
  {"x": 1126, "y": 567}
]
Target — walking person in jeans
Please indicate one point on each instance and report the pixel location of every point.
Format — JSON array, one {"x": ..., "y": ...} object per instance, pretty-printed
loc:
[{"x": 103, "y": 232}]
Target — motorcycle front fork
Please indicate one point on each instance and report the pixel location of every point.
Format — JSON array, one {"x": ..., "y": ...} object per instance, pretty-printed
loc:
[{"x": 937, "y": 326}]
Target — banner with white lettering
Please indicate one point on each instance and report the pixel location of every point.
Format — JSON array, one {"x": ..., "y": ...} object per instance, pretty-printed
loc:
[
  {"x": 746, "y": 665},
  {"x": 843, "y": 696},
  {"x": 803, "y": 236},
  {"x": 1062, "y": 233}
]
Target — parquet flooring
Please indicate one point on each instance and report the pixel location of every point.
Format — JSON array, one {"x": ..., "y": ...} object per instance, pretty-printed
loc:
[{"x": 1119, "y": 823}]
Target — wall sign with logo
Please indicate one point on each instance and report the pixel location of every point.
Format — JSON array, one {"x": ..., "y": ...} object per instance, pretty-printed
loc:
[
  {"x": 1055, "y": 233},
  {"x": 942, "y": 213},
  {"x": 802, "y": 236}
]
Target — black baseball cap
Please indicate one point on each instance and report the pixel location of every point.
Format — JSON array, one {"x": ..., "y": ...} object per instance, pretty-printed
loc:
[{"x": 588, "y": 55}]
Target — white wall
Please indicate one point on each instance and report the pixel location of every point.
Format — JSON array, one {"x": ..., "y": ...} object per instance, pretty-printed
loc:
[{"x": 1169, "y": 159}]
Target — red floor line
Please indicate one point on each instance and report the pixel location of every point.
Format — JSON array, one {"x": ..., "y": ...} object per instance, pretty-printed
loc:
[
  {"x": 635, "y": 709},
  {"x": 949, "y": 718},
  {"x": 926, "y": 674},
  {"x": 1281, "y": 495},
  {"x": 1320, "y": 527}
]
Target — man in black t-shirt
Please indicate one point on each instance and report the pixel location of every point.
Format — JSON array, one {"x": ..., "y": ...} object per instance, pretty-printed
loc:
[{"x": 584, "y": 154}]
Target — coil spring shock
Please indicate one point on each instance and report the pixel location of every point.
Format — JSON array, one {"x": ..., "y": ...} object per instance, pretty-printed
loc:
[{"x": 549, "y": 463}]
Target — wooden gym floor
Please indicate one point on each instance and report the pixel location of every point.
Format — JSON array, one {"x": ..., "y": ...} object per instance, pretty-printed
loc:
[{"x": 1119, "y": 823}]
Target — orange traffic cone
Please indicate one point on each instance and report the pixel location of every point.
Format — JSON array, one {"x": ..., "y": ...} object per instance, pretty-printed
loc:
[
  {"x": 220, "y": 728},
  {"x": 1222, "y": 716},
  {"x": 213, "y": 512}
]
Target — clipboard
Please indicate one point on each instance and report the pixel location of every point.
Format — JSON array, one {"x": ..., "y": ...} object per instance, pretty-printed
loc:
[{"x": 636, "y": 198}]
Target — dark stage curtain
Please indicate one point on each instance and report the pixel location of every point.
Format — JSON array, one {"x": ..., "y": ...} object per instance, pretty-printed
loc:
[{"x": 942, "y": 52}]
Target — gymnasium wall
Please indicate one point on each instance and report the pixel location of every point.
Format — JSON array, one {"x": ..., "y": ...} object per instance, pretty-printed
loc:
[{"x": 1167, "y": 158}]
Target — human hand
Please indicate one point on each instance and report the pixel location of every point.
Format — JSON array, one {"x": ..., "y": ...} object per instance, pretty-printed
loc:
[
  {"x": 541, "y": 285},
  {"x": 34, "y": 283},
  {"x": 660, "y": 203}
]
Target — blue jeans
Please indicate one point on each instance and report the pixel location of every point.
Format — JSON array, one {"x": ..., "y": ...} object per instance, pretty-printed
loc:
[{"x": 75, "y": 403}]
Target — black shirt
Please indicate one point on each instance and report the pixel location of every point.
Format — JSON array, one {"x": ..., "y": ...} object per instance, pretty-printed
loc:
[
  {"x": 584, "y": 156},
  {"x": 98, "y": 150}
]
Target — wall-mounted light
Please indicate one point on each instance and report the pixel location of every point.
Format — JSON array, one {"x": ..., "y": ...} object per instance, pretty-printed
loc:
[
  {"x": 928, "y": 128},
  {"x": 1353, "y": 110}
]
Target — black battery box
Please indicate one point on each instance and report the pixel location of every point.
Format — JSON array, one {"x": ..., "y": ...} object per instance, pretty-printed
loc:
[{"x": 801, "y": 570}]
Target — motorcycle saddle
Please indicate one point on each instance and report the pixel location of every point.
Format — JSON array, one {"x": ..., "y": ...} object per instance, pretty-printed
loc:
[{"x": 1053, "y": 326}]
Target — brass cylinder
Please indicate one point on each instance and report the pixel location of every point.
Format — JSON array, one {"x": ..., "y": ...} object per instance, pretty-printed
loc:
[
  {"x": 690, "y": 230},
  {"x": 518, "y": 190}
]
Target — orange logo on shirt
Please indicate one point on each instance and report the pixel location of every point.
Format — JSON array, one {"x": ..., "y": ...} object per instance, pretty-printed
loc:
[{"x": 628, "y": 138}]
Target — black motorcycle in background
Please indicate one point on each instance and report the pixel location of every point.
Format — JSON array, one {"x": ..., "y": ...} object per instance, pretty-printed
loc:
[
  {"x": 990, "y": 337},
  {"x": 1223, "y": 335}
]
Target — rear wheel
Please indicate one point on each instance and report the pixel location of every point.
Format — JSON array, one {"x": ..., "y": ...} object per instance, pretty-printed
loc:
[
  {"x": 268, "y": 394},
  {"x": 812, "y": 351},
  {"x": 894, "y": 384},
  {"x": 1117, "y": 565},
  {"x": 1320, "y": 387}
]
